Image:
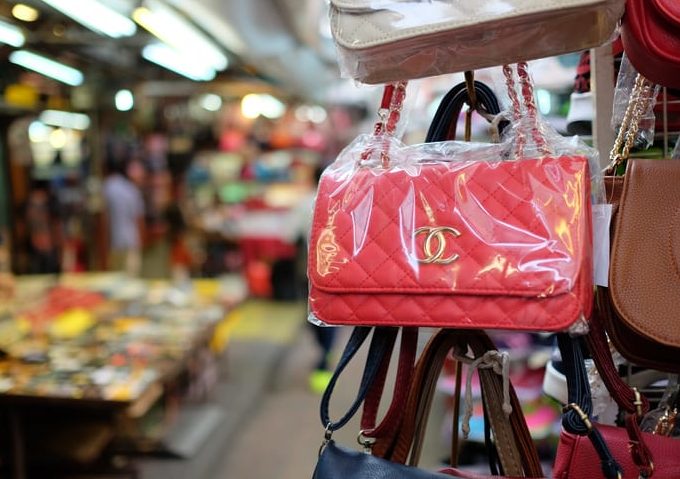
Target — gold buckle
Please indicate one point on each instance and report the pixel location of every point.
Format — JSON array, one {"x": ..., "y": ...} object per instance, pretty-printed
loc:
[{"x": 584, "y": 417}]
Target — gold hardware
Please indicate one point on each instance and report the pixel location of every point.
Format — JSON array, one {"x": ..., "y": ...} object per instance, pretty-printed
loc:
[
  {"x": 434, "y": 256},
  {"x": 581, "y": 414},
  {"x": 637, "y": 402},
  {"x": 638, "y": 104}
]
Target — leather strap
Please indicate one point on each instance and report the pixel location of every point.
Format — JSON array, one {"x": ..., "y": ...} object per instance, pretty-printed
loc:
[
  {"x": 633, "y": 403},
  {"x": 599, "y": 350},
  {"x": 382, "y": 434},
  {"x": 576, "y": 417},
  {"x": 443, "y": 126},
  {"x": 380, "y": 344},
  {"x": 427, "y": 372}
]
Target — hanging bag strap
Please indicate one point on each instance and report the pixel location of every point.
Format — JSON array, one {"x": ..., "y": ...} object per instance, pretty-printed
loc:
[
  {"x": 515, "y": 447},
  {"x": 576, "y": 414}
]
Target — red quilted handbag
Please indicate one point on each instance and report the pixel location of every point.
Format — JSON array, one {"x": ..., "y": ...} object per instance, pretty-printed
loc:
[
  {"x": 464, "y": 243},
  {"x": 651, "y": 39}
]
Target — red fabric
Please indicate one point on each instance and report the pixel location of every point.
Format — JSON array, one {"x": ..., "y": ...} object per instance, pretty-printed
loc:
[
  {"x": 523, "y": 246},
  {"x": 576, "y": 457},
  {"x": 651, "y": 39}
]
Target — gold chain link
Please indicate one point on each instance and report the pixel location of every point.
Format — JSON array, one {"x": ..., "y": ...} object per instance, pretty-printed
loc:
[{"x": 638, "y": 104}]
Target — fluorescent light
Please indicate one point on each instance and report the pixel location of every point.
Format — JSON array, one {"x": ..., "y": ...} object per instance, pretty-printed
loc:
[
  {"x": 65, "y": 119},
  {"x": 211, "y": 102},
  {"x": 96, "y": 16},
  {"x": 25, "y": 13},
  {"x": 47, "y": 67},
  {"x": 124, "y": 100},
  {"x": 215, "y": 25},
  {"x": 11, "y": 34},
  {"x": 171, "y": 59},
  {"x": 173, "y": 29}
]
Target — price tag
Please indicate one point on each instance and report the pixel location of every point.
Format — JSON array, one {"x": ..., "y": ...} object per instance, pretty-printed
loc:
[{"x": 602, "y": 217}]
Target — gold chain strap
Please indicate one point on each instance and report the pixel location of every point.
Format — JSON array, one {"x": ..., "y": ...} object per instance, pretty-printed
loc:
[{"x": 638, "y": 104}]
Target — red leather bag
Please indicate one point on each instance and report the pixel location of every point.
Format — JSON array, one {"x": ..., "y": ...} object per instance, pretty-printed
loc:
[
  {"x": 651, "y": 39},
  {"x": 458, "y": 241},
  {"x": 576, "y": 456}
]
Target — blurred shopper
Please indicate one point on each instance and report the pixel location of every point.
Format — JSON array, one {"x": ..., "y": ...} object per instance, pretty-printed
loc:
[
  {"x": 300, "y": 222},
  {"x": 44, "y": 232},
  {"x": 125, "y": 209}
]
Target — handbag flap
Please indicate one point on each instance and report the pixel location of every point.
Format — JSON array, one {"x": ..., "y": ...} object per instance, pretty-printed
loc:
[
  {"x": 366, "y": 23},
  {"x": 669, "y": 9},
  {"x": 518, "y": 228},
  {"x": 644, "y": 275}
]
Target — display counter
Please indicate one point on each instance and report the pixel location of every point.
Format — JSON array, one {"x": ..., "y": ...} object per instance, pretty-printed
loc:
[{"x": 106, "y": 344}]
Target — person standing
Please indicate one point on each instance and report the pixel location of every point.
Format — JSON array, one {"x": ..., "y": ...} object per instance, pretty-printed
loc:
[{"x": 125, "y": 210}]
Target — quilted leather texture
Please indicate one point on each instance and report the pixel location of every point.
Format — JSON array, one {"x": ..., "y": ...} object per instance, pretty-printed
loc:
[
  {"x": 519, "y": 232},
  {"x": 576, "y": 457},
  {"x": 651, "y": 39},
  {"x": 644, "y": 276},
  {"x": 393, "y": 40}
]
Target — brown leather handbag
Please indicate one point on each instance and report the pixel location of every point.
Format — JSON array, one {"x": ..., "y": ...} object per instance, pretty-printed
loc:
[{"x": 642, "y": 313}]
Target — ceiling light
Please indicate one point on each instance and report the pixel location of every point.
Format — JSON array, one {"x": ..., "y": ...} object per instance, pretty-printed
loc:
[
  {"x": 254, "y": 105},
  {"x": 317, "y": 114},
  {"x": 11, "y": 34},
  {"x": 58, "y": 139},
  {"x": 25, "y": 13},
  {"x": 47, "y": 67},
  {"x": 124, "y": 100},
  {"x": 171, "y": 59},
  {"x": 211, "y": 102},
  {"x": 65, "y": 119},
  {"x": 213, "y": 24},
  {"x": 96, "y": 16},
  {"x": 173, "y": 29}
]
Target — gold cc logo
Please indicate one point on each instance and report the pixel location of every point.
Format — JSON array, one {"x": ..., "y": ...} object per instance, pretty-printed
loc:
[{"x": 436, "y": 236}]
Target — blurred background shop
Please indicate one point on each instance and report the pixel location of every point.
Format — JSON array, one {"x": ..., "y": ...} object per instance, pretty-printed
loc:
[{"x": 158, "y": 162}]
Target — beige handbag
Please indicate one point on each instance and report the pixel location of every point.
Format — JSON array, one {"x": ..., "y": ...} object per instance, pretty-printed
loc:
[{"x": 382, "y": 41}]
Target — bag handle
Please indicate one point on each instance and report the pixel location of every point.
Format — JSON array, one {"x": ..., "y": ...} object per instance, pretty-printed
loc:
[
  {"x": 527, "y": 90},
  {"x": 382, "y": 341},
  {"x": 443, "y": 126},
  {"x": 629, "y": 399},
  {"x": 576, "y": 414},
  {"x": 372, "y": 382},
  {"x": 393, "y": 99},
  {"x": 522, "y": 458},
  {"x": 372, "y": 436}
]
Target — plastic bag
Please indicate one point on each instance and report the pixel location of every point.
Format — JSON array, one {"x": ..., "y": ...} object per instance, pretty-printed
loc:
[
  {"x": 622, "y": 94},
  {"x": 382, "y": 41}
]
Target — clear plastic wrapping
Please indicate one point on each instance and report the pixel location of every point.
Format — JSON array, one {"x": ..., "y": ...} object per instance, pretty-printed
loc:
[
  {"x": 625, "y": 84},
  {"x": 382, "y": 41},
  {"x": 455, "y": 234}
]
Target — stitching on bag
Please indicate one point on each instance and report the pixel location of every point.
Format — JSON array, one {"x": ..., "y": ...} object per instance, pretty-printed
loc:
[
  {"x": 520, "y": 320},
  {"x": 405, "y": 272},
  {"x": 671, "y": 249},
  {"x": 543, "y": 8}
]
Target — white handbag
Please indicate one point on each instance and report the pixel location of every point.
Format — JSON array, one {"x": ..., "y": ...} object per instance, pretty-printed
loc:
[{"x": 382, "y": 41}]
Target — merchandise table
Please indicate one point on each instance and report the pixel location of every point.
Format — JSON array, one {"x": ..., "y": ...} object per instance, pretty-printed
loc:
[{"x": 102, "y": 344}]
